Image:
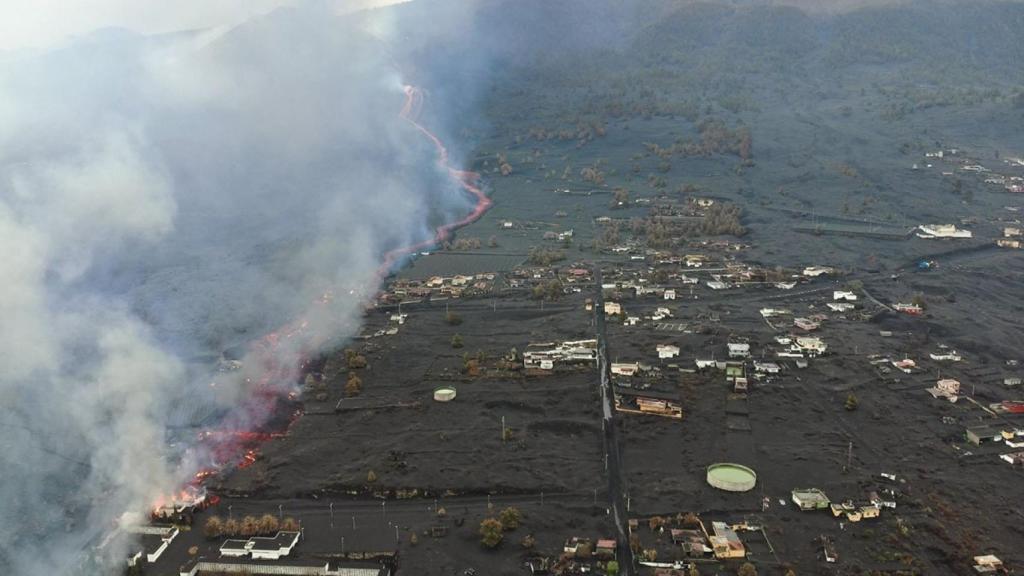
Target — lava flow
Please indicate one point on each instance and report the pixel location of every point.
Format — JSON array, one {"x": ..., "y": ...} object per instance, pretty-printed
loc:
[{"x": 280, "y": 365}]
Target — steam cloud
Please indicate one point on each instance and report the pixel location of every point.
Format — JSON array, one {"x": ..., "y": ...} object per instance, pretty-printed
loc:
[{"x": 163, "y": 199}]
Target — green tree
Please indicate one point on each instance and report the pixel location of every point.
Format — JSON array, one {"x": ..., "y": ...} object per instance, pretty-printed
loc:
[
  {"x": 457, "y": 341},
  {"x": 491, "y": 532},
  {"x": 612, "y": 568}
]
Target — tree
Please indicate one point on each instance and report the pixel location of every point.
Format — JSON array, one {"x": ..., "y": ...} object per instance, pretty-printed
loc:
[
  {"x": 213, "y": 527},
  {"x": 851, "y": 402},
  {"x": 491, "y": 532},
  {"x": 510, "y": 518},
  {"x": 694, "y": 571},
  {"x": 453, "y": 319},
  {"x": 230, "y": 528},
  {"x": 528, "y": 542},
  {"x": 354, "y": 385},
  {"x": 457, "y": 341},
  {"x": 354, "y": 360},
  {"x": 250, "y": 526},
  {"x": 371, "y": 477},
  {"x": 413, "y": 539},
  {"x": 747, "y": 569},
  {"x": 290, "y": 524},
  {"x": 612, "y": 568},
  {"x": 789, "y": 572},
  {"x": 268, "y": 524}
]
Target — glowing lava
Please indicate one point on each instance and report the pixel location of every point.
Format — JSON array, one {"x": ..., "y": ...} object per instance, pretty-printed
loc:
[{"x": 281, "y": 355}]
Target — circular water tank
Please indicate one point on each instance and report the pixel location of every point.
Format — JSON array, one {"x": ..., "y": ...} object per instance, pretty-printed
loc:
[
  {"x": 444, "y": 393},
  {"x": 731, "y": 477}
]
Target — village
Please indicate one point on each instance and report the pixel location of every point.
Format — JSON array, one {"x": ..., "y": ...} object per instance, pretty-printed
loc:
[{"x": 771, "y": 418}]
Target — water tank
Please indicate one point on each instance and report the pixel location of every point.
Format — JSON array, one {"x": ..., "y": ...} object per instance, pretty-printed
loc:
[{"x": 444, "y": 393}]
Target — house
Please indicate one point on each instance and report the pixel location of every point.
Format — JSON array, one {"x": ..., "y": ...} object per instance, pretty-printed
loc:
[
  {"x": 1003, "y": 243},
  {"x": 828, "y": 549},
  {"x": 773, "y": 312},
  {"x": 725, "y": 542},
  {"x": 717, "y": 285},
  {"x": 906, "y": 365},
  {"x": 648, "y": 402},
  {"x": 1014, "y": 458},
  {"x": 815, "y": 271},
  {"x": 1011, "y": 232},
  {"x": 669, "y": 294},
  {"x": 982, "y": 434},
  {"x": 805, "y": 324},
  {"x": 912, "y": 309},
  {"x": 574, "y": 544},
  {"x": 810, "y": 499},
  {"x": 605, "y": 549},
  {"x": 667, "y": 351},
  {"x": 702, "y": 364},
  {"x": 1011, "y": 382},
  {"x": 844, "y": 296},
  {"x": 625, "y": 368},
  {"x": 631, "y": 320},
  {"x": 766, "y": 367},
  {"x": 947, "y": 388},
  {"x": 612, "y": 308},
  {"x": 661, "y": 314},
  {"x": 152, "y": 541},
  {"x": 739, "y": 349},
  {"x": 840, "y": 306},
  {"x": 809, "y": 345},
  {"x": 946, "y": 356},
  {"x": 988, "y": 564},
  {"x": 262, "y": 548},
  {"x": 942, "y": 231}
]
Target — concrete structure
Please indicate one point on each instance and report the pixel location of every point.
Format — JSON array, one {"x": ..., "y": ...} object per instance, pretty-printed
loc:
[
  {"x": 445, "y": 393},
  {"x": 731, "y": 477},
  {"x": 612, "y": 308},
  {"x": 942, "y": 231},
  {"x": 810, "y": 499},
  {"x": 667, "y": 351},
  {"x": 739, "y": 349}
]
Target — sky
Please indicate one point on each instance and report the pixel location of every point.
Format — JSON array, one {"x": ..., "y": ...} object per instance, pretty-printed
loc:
[{"x": 46, "y": 23}]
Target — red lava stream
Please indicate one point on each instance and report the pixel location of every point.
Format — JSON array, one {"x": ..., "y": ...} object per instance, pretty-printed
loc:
[{"x": 279, "y": 368}]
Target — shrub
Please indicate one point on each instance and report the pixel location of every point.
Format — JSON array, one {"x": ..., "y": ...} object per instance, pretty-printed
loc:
[
  {"x": 457, "y": 341},
  {"x": 213, "y": 527},
  {"x": 268, "y": 524},
  {"x": 747, "y": 569},
  {"x": 371, "y": 477},
  {"x": 290, "y": 524},
  {"x": 851, "y": 402},
  {"x": 510, "y": 518},
  {"x": 453, "y": 319},
  {"x": 354, "y": 385},
  {"x": 491, "y": 532}
]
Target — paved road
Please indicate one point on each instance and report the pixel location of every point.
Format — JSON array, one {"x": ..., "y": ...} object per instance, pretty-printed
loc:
[{"x": 613, "y": 456}]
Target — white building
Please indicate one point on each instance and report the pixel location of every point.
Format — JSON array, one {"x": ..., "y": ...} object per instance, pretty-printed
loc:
[
  {"x": 259, "y": 548},
  {"x": 625, "y": 368},
  {"x": 667, "y": 351},
  {"x": 670, "y": 294},
  {"x": 843, "y": 295},
  {"x": 942, "y": 231},
  {"x": 612, "y": 308},
  {"x": 739, "y": 350},
  {"x": 809, "y": 345},
  {"x": 815, "y": 271}
]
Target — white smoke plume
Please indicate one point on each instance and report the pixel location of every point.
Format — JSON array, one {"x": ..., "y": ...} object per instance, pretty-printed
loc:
[{"x": 163, "y": 199}]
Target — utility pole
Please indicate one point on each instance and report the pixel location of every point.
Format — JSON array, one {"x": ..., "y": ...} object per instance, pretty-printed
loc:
[
  {"x": 502, "y": 429},
  {"x": 849, "y": 456},
  {"x": 332, "y": 514}
]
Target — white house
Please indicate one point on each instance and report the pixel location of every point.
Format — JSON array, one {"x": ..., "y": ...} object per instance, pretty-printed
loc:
[
  {"x": 612, "y": 308},
  {"x": 670, "y": 294},
  {"x": 739, "y": 350},
  {"x": 809, "y": 345},
  {"x": 661, "y": 314},
  {"x": 766, "y": 367},
  {"x": 815, "y": 271},
  {"x": 844, "y": 295},
  {"x": 840, "y": 306},
  {"x": 625, "y": 368},
  {"x": 667, "y": 351}
]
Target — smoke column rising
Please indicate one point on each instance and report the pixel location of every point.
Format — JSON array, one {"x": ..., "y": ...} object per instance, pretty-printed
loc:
[{"x": 163, "y": 199}]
